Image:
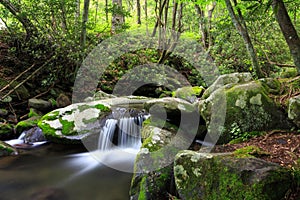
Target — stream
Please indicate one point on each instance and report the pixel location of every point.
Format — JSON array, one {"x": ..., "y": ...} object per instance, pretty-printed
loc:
[
  {"x": 38, "y": 174},
  {"x": 54, "y": 172}
]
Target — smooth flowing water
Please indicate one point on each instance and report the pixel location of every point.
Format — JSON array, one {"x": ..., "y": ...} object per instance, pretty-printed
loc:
[{"x": 55, "y": 171}]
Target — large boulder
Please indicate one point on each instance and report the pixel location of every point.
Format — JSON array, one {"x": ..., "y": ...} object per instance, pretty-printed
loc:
[
  {"x": 74, "y": 122},
  {"x": 153, "y": 169},
  {"x": 235, "y": 109},
  {"x": 294, "y": 110},
  {"x": 221, "y": 176}
]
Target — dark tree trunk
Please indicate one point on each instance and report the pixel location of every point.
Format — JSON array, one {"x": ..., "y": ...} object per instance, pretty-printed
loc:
[
  {"x": 288, "y": 30},
  {"x": 138, "y": 8},
  {"x": 30, "y": 29}
]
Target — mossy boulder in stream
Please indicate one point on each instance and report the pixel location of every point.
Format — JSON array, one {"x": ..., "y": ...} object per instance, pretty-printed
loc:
[
  {"x": 246, "y": 107},
  {"x": 7, "y": 150},
  {"x": 74, "y": 122},
  {"x": 153, "y": 165},
  {"x": 205, "y": 176}
]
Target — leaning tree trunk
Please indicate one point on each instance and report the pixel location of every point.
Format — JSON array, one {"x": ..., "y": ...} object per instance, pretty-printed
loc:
[
  {"x": 241, "y": 27},
  {"x": 30, "y": 29},
  {"x": 288, "y": 30}
]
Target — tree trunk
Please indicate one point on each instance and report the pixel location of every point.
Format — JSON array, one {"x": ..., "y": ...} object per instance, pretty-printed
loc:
[
  {"x": 241, "y": 27},
  {"x": 118, "y": 19},
  {"x": 138, "y": 8},
  {"x": 288, "y": 30},
  {"x": 30, "y": 29},
  {"x": 84, "y": 22}
]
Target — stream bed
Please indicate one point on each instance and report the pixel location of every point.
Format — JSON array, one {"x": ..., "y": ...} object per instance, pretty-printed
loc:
[{"x": 54, "y": 171}]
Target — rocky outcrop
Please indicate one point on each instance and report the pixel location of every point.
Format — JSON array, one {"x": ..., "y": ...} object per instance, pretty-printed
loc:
[
  {"x": 237, "y": 108},
  {"x": 294, "y": 110},
  {"x": 221, "y": 176}
]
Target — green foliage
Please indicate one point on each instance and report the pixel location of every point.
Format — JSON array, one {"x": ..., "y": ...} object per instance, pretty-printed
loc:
[{"x": 238, "y": 136}]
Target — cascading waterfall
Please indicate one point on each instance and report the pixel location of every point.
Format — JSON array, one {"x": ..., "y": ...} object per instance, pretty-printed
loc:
[
  {"x": 126, "y": 129},
  {"x": 107, "y": 134}
]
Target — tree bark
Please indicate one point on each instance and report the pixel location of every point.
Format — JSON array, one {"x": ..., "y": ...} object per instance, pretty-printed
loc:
[
  {"x": 288, "y": 30},
  {"x": 138, "y": 10},
  {"x": 241, "y": 27},
  {"x": 84, "y": 22},
  {"x": 30, "y": 29}
]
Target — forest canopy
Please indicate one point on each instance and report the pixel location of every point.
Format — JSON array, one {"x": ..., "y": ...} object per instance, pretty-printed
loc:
[{"x": 257, "y": 36}]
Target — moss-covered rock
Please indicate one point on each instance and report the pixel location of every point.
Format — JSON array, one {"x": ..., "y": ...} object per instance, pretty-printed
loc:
[
  {"x": 6, "y": 131},
  {"x": 246, "y": 107},
  {"x": 72, "y": 123},
  {"x": 227, "y": 79},
  {"x": 7, "y": 150},
  {"x": 26, "y": 124},
  {"x": 200, "y": 176},
  {"x": 189, "y": 94},
  {"x": 294, "y": 110},
  {"x": 153, "y": 165}
]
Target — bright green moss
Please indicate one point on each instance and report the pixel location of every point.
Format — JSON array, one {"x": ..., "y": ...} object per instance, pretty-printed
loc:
[
  {"x": 67, "y": 127},
  {"x": 249, "y": 151}
]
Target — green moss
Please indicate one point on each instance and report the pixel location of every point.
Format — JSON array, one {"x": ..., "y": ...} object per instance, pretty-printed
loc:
[
  {"x": 32, "y": 113},
  {"x": 51, "y": 116},
  {"x": 46, "y": 128},
  {"x": 221, "y": 182},
  {"x": 249, "y": 151},
  {"x": 142, "y": 192},
  {"x": 102, "y": 107},
  {"x": 67, "y": 127},
  {"x": 27, "y": 124}
]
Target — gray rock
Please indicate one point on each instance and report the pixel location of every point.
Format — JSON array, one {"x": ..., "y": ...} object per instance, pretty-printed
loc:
[
  {"x": 32, "y": 135},
  {"x": 39, "y": 104}
]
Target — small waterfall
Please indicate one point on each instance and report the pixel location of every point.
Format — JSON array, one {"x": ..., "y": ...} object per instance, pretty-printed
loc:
[
  {"x": 124, "y": 132},
  {"x": 107, "y": 134},
  {"x": 129, "y": 134}
]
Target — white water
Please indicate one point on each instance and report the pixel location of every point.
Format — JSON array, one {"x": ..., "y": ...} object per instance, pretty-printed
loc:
[
  {"x": 20, "y": 141},
  {"x": 115, "y": 153}
]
